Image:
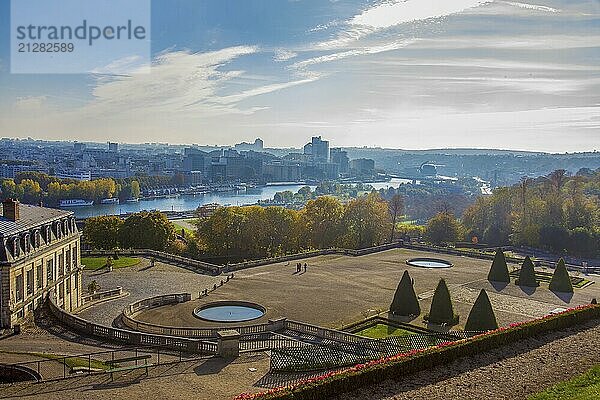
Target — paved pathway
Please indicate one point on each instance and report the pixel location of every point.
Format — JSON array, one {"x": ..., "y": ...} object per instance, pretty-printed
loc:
[
  {"x": 511, "y": 372},
  {"x": 142, "y": 281}
]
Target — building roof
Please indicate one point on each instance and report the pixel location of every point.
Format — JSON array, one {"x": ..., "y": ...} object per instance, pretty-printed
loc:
[{"x": 30, "y": 217}]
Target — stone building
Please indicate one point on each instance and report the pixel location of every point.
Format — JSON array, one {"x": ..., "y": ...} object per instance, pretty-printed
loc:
[{"x": 39, "y": 256}]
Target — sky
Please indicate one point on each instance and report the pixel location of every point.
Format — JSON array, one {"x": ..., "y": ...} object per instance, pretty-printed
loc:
[{"x": 412, "y": 74}]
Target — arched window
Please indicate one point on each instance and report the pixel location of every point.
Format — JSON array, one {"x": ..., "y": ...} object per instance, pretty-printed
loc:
[
  {"x": 16, "y": 247},
  {"x": 26, "y": 243},
  {"x": 48, "y": 234}
]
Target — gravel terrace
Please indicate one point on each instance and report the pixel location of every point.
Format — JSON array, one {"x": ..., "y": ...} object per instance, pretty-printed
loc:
[
  {"x": 510, "y": 372},
  {"x": 141, "y": 282},
  {"x": 347, "y": 289}
]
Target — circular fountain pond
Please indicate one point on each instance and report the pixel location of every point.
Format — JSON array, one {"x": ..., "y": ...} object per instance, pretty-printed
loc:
[
  {"x": 229, "y": 311},
  {"x": 429, "y": 263}
]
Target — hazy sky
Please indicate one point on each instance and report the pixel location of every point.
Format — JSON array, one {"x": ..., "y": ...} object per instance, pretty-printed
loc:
[{"x": 406, "y": 74}]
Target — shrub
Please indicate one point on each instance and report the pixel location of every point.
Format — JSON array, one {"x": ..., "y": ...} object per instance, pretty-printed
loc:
[
  {"x": 499, "y": 270},
  {"x": 481, "y": 317},
  {"x": 93, "y": 287},
  {"x": 561, "y": 282},
  {"x": 334, "y": 383},
  {"x": 405, "y": 300},
  {"x": 442, "y": 311},
  {"x": 527, "y": 274}
]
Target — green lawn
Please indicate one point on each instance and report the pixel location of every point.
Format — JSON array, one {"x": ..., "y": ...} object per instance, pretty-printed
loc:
[
  {"x": 546, "y": 277},
  {"x": 68, "y": 361},
  {"x": 185, "y": 227},
  {"x": 95, "y": 263},
  {"x": 75, "y": 361},
  {"x": 582, "y": 387},
  {"x": 380, "y": 331}
]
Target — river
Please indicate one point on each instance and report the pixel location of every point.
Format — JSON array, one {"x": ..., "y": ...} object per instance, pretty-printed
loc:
[{"x": 191, "y": 202}]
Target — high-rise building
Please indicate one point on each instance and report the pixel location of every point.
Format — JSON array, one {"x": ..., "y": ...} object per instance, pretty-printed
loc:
[
  {"x": 282, "y": 171},
  {"x": 113, "y": 147},
  {"x": 362, "y": 166},
  {"x": 196, "y": 160},
  {"x": 320, "y": 149},
  {"x": 340, "y": 157}
]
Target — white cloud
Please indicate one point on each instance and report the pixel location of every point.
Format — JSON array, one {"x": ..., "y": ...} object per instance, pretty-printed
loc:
[
  {"x": 284, "y": 55},
  {"x": 124, "y": 65},
  {"x": 235, "y": 98},
  {"x": 534, "y": 7},
  {"x": 397, "y": 12},
  {"x": 351, "y": 53},
  {"x": 546, "y": 42}
]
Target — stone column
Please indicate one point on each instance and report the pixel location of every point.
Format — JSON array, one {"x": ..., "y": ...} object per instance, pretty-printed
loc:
[
  {"x": 277, "y": 324},
  {"x": 228, "y": 344}
]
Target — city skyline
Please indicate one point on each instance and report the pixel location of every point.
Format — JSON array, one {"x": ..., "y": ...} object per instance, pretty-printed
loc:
[{"x": 406, "y": 75}]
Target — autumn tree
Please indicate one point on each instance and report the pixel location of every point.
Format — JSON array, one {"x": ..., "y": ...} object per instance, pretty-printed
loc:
[
  {"x": 323, "y": 217},
  {"x": 396, "y": 210},
  {"x": 102, "y": 232},
  {"x": 443, "y": 228},
  {"x": 147, "y": 230},
  {"x": 365, "y": 221}
]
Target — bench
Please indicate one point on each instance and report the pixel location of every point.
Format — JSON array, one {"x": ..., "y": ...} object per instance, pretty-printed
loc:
[{"x": 112, "y": 363}]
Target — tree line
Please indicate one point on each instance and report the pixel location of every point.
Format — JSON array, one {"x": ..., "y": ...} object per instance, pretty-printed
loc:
[
  {"x": 143, "y": 230},
  {"x": 35, "y": 187},
  {"x": 253, "y": 231},
  {"x": 558, "y": 212},
  {"x": 257, "y": 232}
]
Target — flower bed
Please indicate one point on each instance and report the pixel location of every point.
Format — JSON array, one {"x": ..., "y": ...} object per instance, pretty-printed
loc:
[{"x": 334, "y": 383}]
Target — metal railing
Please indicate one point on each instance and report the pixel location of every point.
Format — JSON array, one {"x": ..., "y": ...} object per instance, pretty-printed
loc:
[
  {"x": 323, "y": 333},
  {"x": 50, "y": 367},
  {"x": 327, "y": 355}
]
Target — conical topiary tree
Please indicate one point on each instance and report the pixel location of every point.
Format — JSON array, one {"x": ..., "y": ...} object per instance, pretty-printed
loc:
[
  {"x": 405, "y": 300},
  {"x": 499, "y": 270},
  {"x": 527, "y": 274},
  {"x": 442, "y": 311},
  {"x": 481, "y": 317},
  {"x": 561, "y": 282}
]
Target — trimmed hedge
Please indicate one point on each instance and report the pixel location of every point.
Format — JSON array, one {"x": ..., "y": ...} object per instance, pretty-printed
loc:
[
  {"x": 335, "y": 383},
  {"x": 481, "y": 317},
  {"x": 405, "y": 300},
  {"x": 561, "y": 282},
  {"x": 527, "y": 274},
  {"x": 442, "y": 311},
  {"x": 499, "y": 270}
]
